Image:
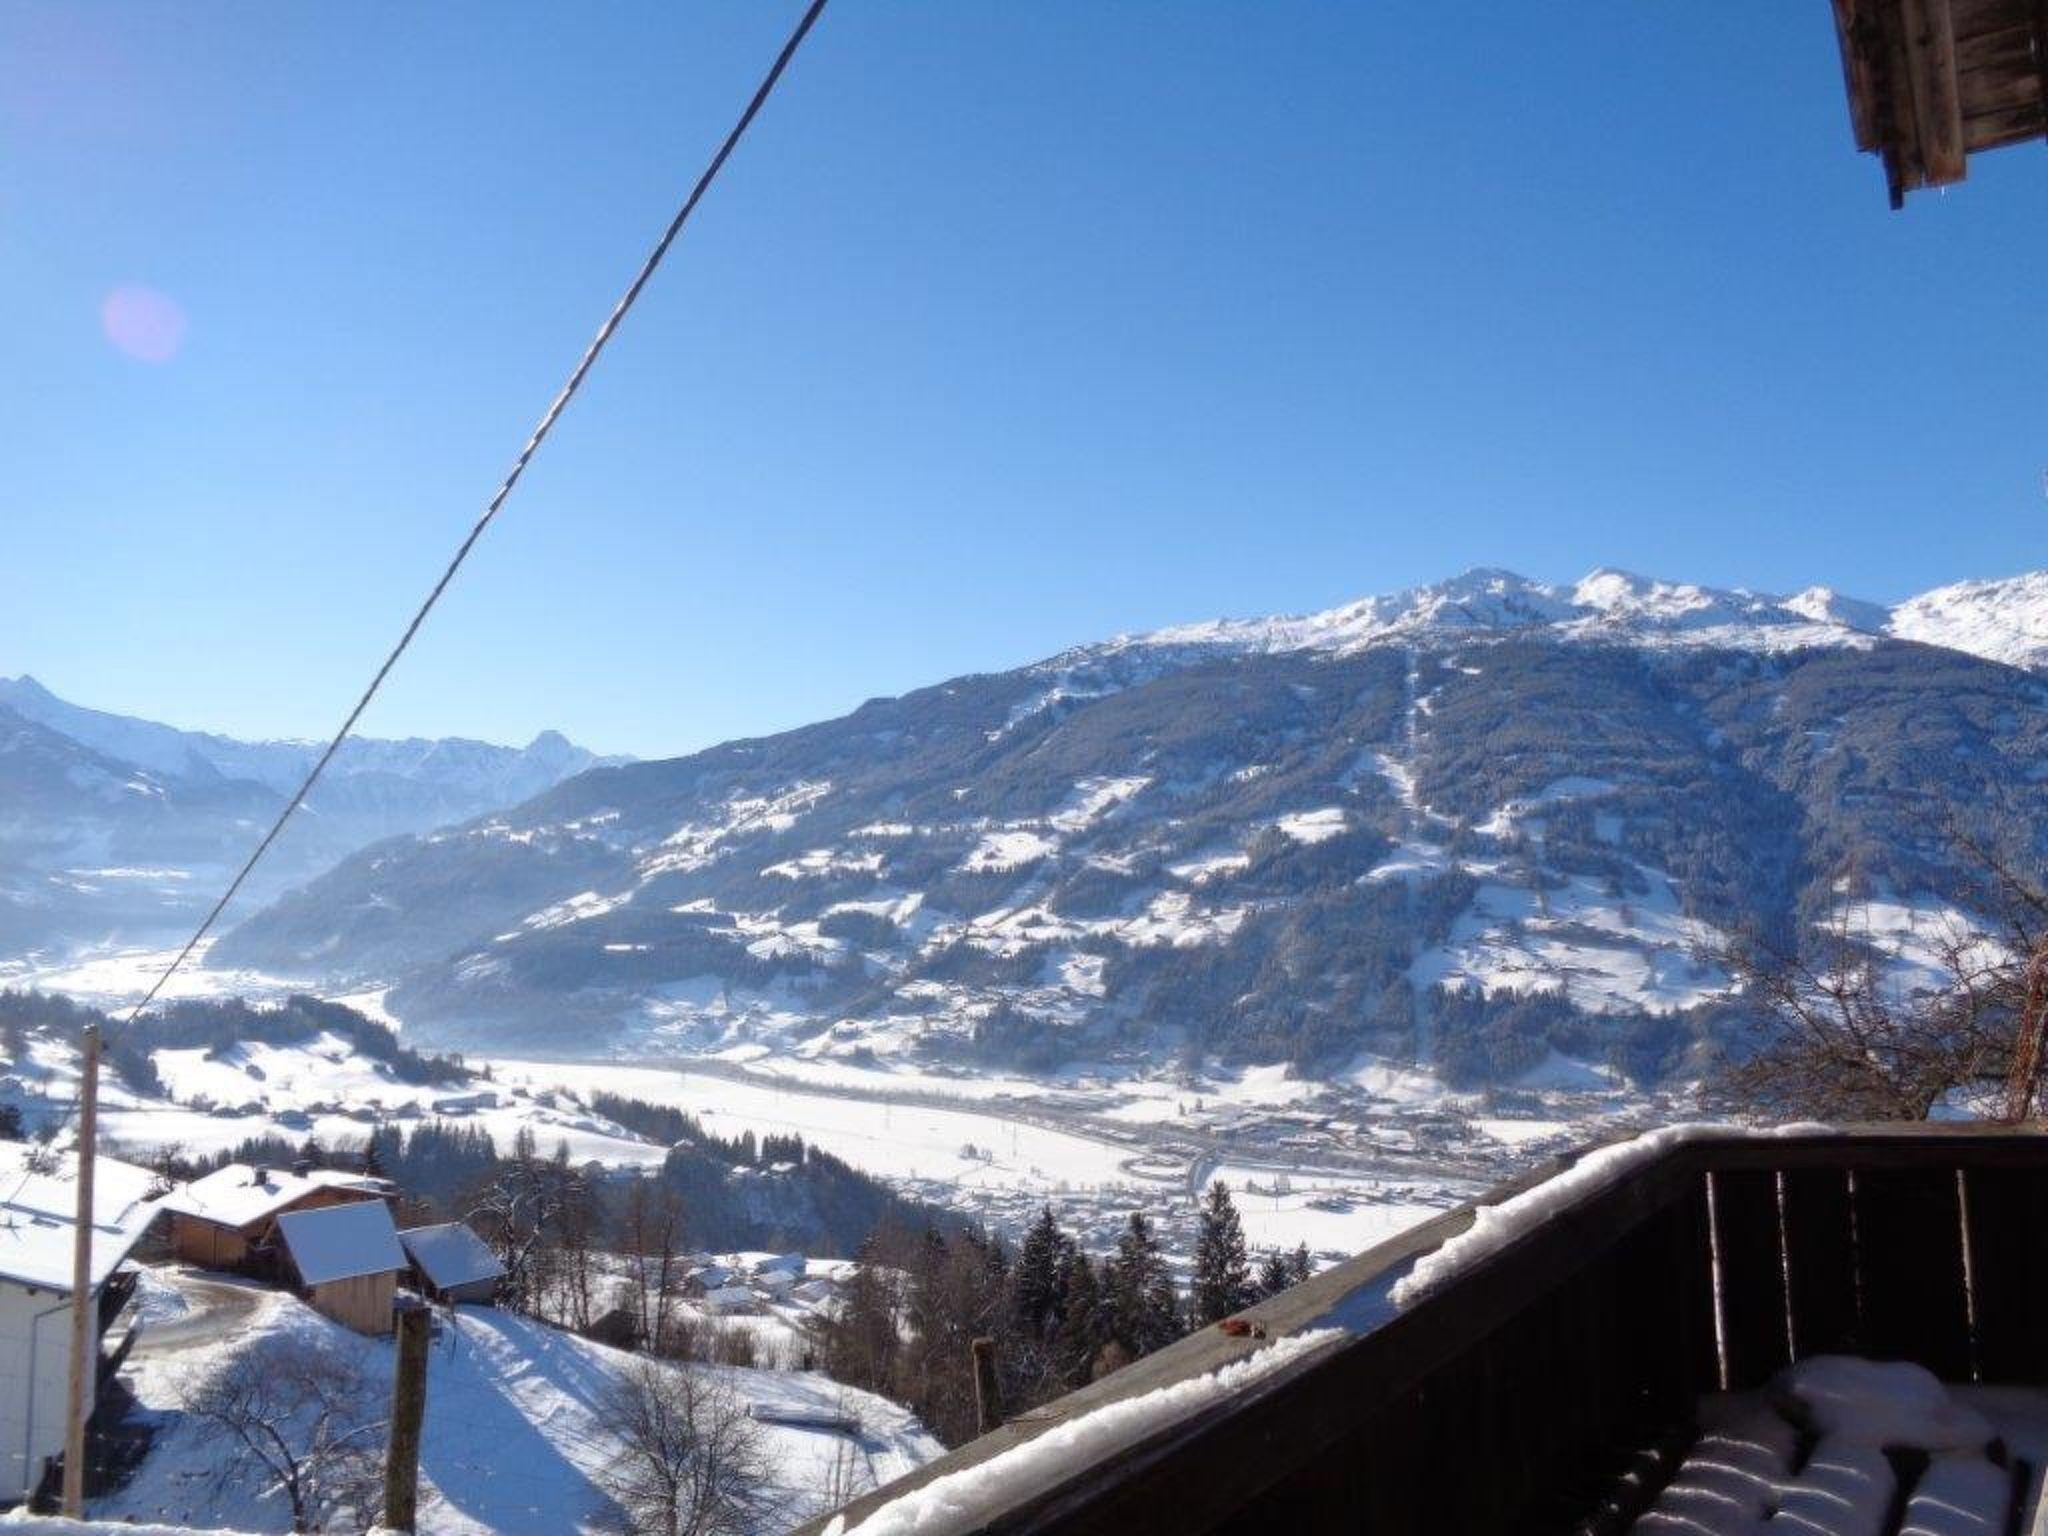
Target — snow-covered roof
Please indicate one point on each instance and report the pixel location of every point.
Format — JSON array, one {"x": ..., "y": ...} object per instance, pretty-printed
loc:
[
  {"x": 240, "y": 1193},
  {"x": 450, "y": 1254},
  {"x": 38, "y": 1215},
  {"x": 339, "y": 1242}
]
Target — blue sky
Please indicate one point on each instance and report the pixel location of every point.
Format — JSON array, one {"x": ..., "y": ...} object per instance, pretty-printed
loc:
[{"x": 1011, "y": 326}]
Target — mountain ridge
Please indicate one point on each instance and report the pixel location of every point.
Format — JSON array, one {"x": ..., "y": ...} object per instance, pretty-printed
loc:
[
  {"x": 1466, "y": 827},
  {"x": 116, "y": 827},
  {"x": 2004, "y": 619}
]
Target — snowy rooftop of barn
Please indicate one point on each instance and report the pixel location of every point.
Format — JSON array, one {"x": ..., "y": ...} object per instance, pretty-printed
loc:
[
  {"x": 240, "y": 1193},
  {"x": 340, "y": 1242}
]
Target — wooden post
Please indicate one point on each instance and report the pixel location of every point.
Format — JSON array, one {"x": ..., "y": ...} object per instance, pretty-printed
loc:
[
  {"x": 83, "y": 1352},
  {"x": 988, "y": 1391},
  {"x": 408, "y": 1410}
]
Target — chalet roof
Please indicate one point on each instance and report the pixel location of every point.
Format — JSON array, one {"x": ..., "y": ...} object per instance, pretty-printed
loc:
[
  {"x": 1932, "y": 82},
  {"x": 340, "y": 1242},
  {"x": 38, "y": 1215},
  {"x": 242, "y": 1193},
  {"x": 450, "y": 1254}
]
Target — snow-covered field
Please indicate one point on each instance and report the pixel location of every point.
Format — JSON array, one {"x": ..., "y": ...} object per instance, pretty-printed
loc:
[
  {"x": 516, "y": 1435},
  {"x": 894, "y": 1140},
  {"x": 111, "y": 977}
]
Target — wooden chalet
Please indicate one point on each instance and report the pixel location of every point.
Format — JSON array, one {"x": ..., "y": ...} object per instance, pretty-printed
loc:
[
  {"x": 1553, "y": 1374},
  {"x": 228, "y": 1219},
  {"x": 1932, "y": 82},
  {"x": 345, "y": 1261}
]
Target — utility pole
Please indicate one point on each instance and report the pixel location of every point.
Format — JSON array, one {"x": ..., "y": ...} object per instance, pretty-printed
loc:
[
  {"x": 408, "y": 1410},
  {"x": 988, "y": 1390},
  {"x": 82, "y": 1351}
]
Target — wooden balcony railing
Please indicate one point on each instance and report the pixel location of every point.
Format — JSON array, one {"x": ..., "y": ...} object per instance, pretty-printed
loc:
[{"x": 1548, "y": 1386}]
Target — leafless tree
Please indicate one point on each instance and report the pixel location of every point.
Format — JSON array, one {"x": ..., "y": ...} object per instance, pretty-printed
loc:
[
  {"x": 518, "y": 1210},
  {"x": 302, "y": 1418},
  {"x": 1885, "y": 1026},
  {"x": 651, "y": 1240},
  {"x": 689, "y": 1458}
]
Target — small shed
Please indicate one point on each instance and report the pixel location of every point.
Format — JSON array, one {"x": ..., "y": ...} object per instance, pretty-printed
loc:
[
  {"x": 347, "y": 1260},
  {"x": 451, "y": 1263}
]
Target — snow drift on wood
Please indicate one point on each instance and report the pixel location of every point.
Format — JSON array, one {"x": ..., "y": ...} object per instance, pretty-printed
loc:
[
  {"x": 1014, "y": 1473},
  {"x": 1494, "y": 1227}
]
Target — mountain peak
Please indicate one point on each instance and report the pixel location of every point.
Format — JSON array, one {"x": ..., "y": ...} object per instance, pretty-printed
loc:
[
  {"x": 2004, "y": 619},
  {"x": 24, "y": 692}
]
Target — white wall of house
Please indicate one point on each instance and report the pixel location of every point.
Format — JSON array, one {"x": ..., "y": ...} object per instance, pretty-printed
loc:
[{"x": 35, "y": 1333}]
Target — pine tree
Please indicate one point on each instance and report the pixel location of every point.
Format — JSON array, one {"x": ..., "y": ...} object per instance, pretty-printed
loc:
[
  {"x": 1143, "y": 1312},
  {"x": 1300, "y": 1267},
  {"x": 861, "y": 1341},
  {"x": 1222, "y": 1279},
  {"x": 1085, "y": 1329},
  {"x": 1274, "y": 1274},
  {"x": 1037, "y": 1283}
]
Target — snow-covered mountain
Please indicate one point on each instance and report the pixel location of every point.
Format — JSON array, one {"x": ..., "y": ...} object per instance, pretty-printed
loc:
[
  {"x": 2000, "y": 620},
  {"x": 1471, "y": 825},
  {"x": 113, "y": 826},
  {"x": 2003, "y": 620}
]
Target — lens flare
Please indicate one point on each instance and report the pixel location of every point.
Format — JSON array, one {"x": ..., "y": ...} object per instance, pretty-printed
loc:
[{"x": 143, "y": 323}]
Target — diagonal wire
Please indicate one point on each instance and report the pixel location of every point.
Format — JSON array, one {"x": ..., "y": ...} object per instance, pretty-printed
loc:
[{"x": 491, "y": 509}]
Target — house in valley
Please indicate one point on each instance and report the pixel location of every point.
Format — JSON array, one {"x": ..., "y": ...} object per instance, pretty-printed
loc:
[
  {"x": 345, "y": 1261},
  {"x": 731, "y": 1301},
  {"x": 227, "y": 1220},
  {"x": 450, "y": 1263},
  {"x": 38, "y": 1206}
]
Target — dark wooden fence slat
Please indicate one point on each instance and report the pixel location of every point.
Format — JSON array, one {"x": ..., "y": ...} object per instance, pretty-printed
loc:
[
  {"x": 1910, "y": 1239},
  {"x": 2009, "y": 1230},
  {"x": 1752, "y": 1277},
  {"x": 1825, "y": 1305}
]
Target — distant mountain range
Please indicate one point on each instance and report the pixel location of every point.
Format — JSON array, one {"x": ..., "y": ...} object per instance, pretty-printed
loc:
[
  {"x": 112, "y": 827},
  {"x": 1470, "y": 824}
]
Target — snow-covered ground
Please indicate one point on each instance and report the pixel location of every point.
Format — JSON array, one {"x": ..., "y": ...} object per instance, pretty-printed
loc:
[
  {"x": 110, "y": 977},
  {"x": 516, "y": 1437},
  {"x": 896, "y": 1140}
]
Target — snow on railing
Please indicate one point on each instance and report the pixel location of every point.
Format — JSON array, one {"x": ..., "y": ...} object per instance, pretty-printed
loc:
[
  {"x": 1494, "y": 1227},
  {"x": 1014, "y": 1474}
]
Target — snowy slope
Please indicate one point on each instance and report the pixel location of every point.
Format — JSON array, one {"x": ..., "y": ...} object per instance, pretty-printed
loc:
[
  {"x": 2002, "y": 620},
  {"x": 515, "y": 1434}
]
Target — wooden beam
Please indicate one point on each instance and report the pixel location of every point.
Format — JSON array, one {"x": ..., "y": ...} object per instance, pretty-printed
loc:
[
  {"x": 1930, "y": 47},
  {"x": 1853, "y": 26}
]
